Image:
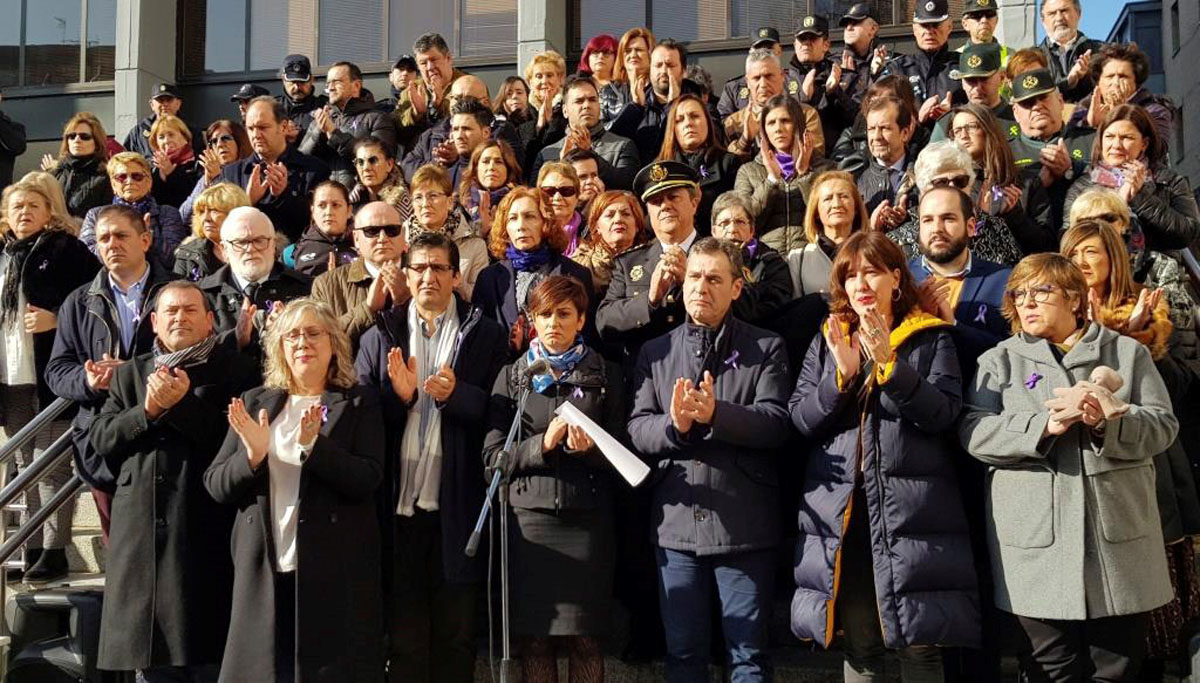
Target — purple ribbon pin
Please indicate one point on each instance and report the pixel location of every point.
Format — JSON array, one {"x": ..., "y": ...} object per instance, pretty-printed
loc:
[
  {"x": 324, "y": 413},
  {"x": 703, "y": 171},
  {"x": 195, "y": 275},
  {"x": 44, "y": 265},
  {"x": 578, "y": 393},
  {"x": 732, "y": 360},
  {"x": 981, "y": 316},
  {"x": 1034, "y": 378}
]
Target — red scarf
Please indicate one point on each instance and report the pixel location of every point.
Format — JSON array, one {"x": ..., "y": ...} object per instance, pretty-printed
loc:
[{"x": 182, "y": 155}]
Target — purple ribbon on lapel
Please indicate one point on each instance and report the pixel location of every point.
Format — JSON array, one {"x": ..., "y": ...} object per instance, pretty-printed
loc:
[
  {"x": 981, "y": 316},
  {"x": 44, "y": 265},
  {"x": 1034, "y": 378},
  {"x": 577, "y": 393},
  {"x": 703, "y": 171},
  {"x": 195, "y": 274},
  {"x": 732, "y": 360},
  {"x": 324, "y": 413}
]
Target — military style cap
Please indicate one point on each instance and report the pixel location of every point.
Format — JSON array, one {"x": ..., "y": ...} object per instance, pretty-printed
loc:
[
  {"x": 164, "y": 90},
  {"x": 296, "y": 68},
  {"x": 978, "y": 61},
  {"x": 858, "y": 12},
  {"x": 405, "y": 62},
  {"x": 766, "y": 35},
  {"x": 813, "y": 24},
  {"x": 664, "y": 175},
  {"x": 1032, "y": 84},
  {"x": 974, "y": 6},
  {"x": 247, "y": 92},
  {"x": 932, "y": 11}
]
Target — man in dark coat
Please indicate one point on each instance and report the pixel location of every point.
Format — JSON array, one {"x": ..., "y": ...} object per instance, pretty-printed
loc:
[
  {"x": 983, "y": 78},
  {"x": 349, "y": 117},
  {"x": 251, "y": 278},
  {"x": 298, "y": 99},
  {"x": 169, "y": 576},
  {"x": 433, "y": 585},
  {"x": 887, "y": 180},
  {"x": 644, "y": 118},
  {"x": 859, "y": 31},
  {"x": 823, "y": 84},
  {"x": 165, "y": 99},
  {"x": 277, "y": 177},
  {"x": 102, "y": 325},
  {"x": 617, "y": 157},
  {"x": 735, "y": 95},
  {"x": 928, "y": 71},
  {"x": 1067, "y": 49},
  {"x": 434, "y": 146},
  {"x": 709, "y": 411},
  {"x": 12, "y": 145}
]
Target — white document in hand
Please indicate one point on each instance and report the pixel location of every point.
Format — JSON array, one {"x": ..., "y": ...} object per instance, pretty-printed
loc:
[{"x": 627, "y": 464}]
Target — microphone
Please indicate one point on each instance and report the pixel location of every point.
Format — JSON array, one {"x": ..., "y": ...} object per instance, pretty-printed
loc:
[{"x": 537, "y": 367}]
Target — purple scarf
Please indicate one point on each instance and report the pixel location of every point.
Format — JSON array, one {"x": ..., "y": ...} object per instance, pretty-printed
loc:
[
  {"x": 787, "y": 164},
  {"x": 527, "y": 261},
  {"x": 572, "y": 231}
]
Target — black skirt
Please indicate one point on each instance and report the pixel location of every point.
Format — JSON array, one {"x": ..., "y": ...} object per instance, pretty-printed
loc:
[{"x": 562, "y": 571}]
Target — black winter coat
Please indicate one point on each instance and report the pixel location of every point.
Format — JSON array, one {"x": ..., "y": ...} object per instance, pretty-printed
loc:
[
  {"x": 168, "y": 585},
  {"x": 716, "y": 488},
  {"x": 282, "y": 285},
  {"x": 929, "y": 74},
  {"x": 495, "y": 291},
  {"x": 178, "y": 185},
  {"x": 718, "y": 171},
  {"x": 289, "y": 212},
  {"x": 312, "y": 250},
  {"x": 88, "y": 328},
  {"x": 339, "y": 600},
  {"x": 1165, "y": 208},
  {"x": 12, "y": 145},
  {"x": 481, "y": 351},
  {"x": 196, "y": 259},
  {"x": 300, "y": 111},
  {"x": 767, "y": 287},
  {"x": 84, "y": 182},
  {"x": 357, "y": 121},
  {"x": 557, "y": 479}
]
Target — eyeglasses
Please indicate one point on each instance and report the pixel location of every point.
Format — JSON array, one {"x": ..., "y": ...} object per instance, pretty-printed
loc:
[
  {"x": 1040, "y": 293},
  {"x": 965, "y": 130},
  {"x": 437, "y": 268},
  {"x": 218, "y": 139},
  {"x": 84, "y": 137},
  {"x": 372, "y": 231},
  {"x": 246, "y": 246},
  {"x": 369, "y": 161},
  {"x": 566, "y": 191},
  {"x": 734, "y": 222},
  {"x": 959, "y": 181},
  {"x": 423, "y": 198},
  {"x": 136, "y": 176},
  {"x": 310, "y": 335}
]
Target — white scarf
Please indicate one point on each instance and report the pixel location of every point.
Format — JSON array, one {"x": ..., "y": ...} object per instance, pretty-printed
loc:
[{"x": 421, "y": 453}]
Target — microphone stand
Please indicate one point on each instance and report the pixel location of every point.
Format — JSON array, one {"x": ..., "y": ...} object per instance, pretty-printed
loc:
[{"x": 495, "y": 489}]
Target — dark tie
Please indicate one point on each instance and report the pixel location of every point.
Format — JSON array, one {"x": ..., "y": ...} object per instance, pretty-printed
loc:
[{"x": 251, "y": 291}]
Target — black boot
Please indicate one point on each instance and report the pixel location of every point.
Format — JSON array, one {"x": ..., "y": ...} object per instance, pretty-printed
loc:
[
  {"x": 51, "y": 566},
  {"x": 31, "y": 557}
]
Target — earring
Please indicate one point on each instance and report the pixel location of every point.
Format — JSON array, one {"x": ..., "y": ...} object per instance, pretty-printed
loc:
[{"x": 895, "y": 295}]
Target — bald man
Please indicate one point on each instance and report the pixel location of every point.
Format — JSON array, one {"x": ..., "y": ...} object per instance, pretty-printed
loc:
[
  {"x": 434, "y": 145},
  {"x": 251, "y": 281},
  {"x": 372, "y": 282}
]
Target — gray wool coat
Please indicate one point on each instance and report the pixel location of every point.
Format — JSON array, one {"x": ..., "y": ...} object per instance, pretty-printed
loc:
[{"x": 1073, "y": 528}]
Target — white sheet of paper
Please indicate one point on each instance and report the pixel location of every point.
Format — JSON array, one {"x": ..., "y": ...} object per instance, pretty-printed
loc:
[{"x": 627, "y": 464}]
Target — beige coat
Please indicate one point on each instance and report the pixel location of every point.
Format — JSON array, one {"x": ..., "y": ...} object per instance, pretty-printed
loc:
[
  {"x": 1073, "y": 527},
  {"x": 472, "y": 250}
]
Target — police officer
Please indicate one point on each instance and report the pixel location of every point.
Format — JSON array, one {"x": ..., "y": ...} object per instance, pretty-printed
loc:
[
  {"x": 859, "y": 30},
  {"x": 929, "y": 69},
  {"x": 298, "y": 99},
  {"x": 979, "y": 21},
  {"x": 244, "y": 94},
  {"x": 822, "y": 81},
  {"x": 1044, "y": 145},
  {"x": 165, "y": 99},
  {"x": 982, "y": 79},
  {"x": 736, "y": 93},
  {"x": 644, "y": 300}
]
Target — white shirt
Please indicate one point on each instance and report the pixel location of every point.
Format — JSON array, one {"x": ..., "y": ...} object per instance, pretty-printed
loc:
[
  {"x": 686, "y": 244},
  {"x": 285, "y": 457},
  {"x": 16, "y": 353}
]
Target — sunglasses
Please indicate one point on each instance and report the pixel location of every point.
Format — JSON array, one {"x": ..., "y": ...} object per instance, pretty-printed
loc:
[
  {"x": 565, "y": 191},
  {"x": 85, "y": 137},
  {"x": 217, "y": 139},
  {"x": 136, "y": 176},
  {"x": 369, "y": 161},
  {"x": 372, "y": 231},
  {"x": 959, "y": 181}
]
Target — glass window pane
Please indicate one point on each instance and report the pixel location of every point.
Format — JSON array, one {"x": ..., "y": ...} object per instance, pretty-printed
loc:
[
  {"x": 10, "y": 42},
  {"x": 614, "y": 17},
  {"x": 101, "y": 40},
  {"x": 695, "y": 20},
  {"x": 268, "y": 44},
  {"x": 52, "y": 42},
  {"x": 489, "y": 27},
  {"x": 410, "y": 19},
  {"x": 225, "y": 36},
  {"x": 350, "y": 31}
]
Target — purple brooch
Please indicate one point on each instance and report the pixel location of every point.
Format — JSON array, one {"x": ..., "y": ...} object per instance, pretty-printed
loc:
[
  {"x": 981, "y": 316},
  {"x": 1034, "y": 378},
  {"x": 732, "y": 360},
  {"x": 44, "y": 265},
  {"x": 703, "y": 171},
  {"x": 577, "y": 393},
  {"x": 324, "y": 413},
  {"x": 195, "y": 275}
]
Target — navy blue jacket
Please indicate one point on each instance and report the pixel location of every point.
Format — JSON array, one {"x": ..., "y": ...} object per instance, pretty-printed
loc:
[
  {"x": 88, "y": 328},
  {"x": 476, "y": 363},
  {"x": 716, "y": 488},
  {"x": 925, "y": 582},
  {"x": 978, "y": 323},
  {"x": 495, "y": 291},
  {"x": 289, "y": 211}
]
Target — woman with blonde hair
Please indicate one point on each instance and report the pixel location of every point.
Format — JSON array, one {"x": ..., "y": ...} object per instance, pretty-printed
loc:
[
  {"x": 131, "y": 178},
  {"x": 201, "y": 255},
  {"x": 79, "y": 166},
  {"x": 545, "y": 75},
  {"x": 835, "y": 211},
  {"x": 306, "y": 446},
  {"x": 631, "y": 69},
  {"x": 41, "y": 263},
  {"x": 176, "y": 169},
  {"x": 53, "y": 191}
]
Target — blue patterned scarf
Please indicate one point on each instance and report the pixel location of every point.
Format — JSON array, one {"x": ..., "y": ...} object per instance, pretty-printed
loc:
[
  {"x": 562, "y": 363},
  {"x": 142, "y": 206},
  {"x": 525, "y": 261}
]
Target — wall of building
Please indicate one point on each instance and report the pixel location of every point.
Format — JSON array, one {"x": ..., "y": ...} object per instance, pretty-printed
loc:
[{"x": 1179, "y": 64}]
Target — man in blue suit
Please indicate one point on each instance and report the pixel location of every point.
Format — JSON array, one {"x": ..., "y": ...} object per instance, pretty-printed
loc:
[{"x": 964, "y": 290}]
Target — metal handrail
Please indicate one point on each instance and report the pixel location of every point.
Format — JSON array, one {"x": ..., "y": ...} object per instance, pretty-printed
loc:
[
  {"x": 34, "y": 426},
  {"x": 38, "y": 518},
  {"x": 35, "y": 470}
]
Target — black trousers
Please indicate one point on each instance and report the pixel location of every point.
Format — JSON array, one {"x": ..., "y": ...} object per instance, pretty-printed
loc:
[
  {"x": 285, "y": 627},
  {"x": 432, "y": 621},
  {"x": 1062, "y": 651}
]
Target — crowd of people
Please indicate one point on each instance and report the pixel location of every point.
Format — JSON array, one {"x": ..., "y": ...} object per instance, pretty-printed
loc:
[{"x": 914, "y": 332}]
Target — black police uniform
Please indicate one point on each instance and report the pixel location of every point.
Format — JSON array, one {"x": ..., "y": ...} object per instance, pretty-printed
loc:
[{"x": 929, "y": 74}]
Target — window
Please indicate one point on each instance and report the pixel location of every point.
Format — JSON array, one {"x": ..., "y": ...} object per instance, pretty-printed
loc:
[
  {"x": 1175, "y": 27},
  {"x": 700, "y": 20},
  {"x": 235, "y": 36},
  {"x": 40, "y": 42}
]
